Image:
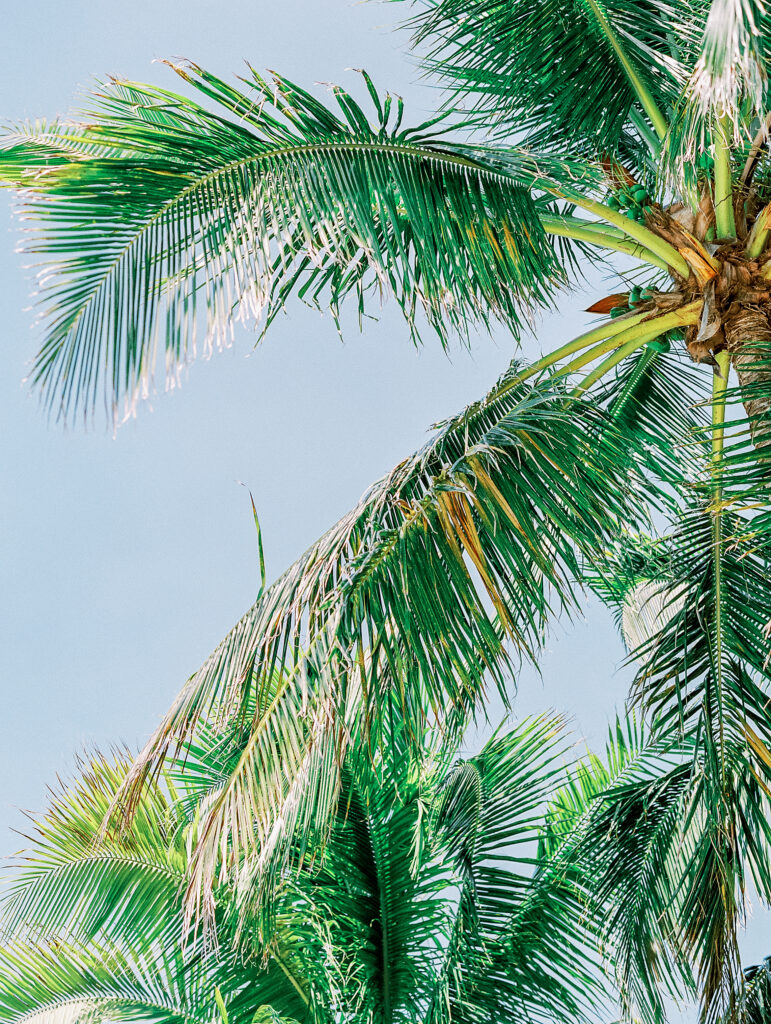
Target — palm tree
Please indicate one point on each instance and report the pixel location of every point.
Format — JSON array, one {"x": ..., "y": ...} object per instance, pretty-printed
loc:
[
  {"x": 629, "y": 134},
  {"x": 427, "y": 904},
  {"x": 756, "y": 993}
]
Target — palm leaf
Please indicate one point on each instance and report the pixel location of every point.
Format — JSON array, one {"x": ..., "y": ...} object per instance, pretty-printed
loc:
[
  {"x": 569, "y": 75},
  {"x": 169, "y": 221},
  {"x": 733, "y": 62},
  {"x": 67, "y": 983},
  {"x": 755, "y": 999},
  {"x": 704, "y": 676},
  {"x": 411, "y": 605},
  {"x": 93, "y": 925},
  {"x": 82, "y": 885},
  {"x": 502, "y": 960},
  {"x": 612, "y": 827}
]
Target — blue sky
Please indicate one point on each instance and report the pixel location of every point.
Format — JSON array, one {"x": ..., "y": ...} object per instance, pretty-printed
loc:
[{"x": 125, "y": 559}]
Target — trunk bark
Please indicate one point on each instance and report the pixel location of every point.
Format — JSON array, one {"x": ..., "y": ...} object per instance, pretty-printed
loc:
[{"x": 748, "y": 337}]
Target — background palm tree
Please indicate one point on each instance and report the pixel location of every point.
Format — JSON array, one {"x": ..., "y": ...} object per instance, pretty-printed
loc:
[
  {"x": 427, "y": 903},
  {"x": 756, "y": 993},
  {"x": 164, "y": 217}
]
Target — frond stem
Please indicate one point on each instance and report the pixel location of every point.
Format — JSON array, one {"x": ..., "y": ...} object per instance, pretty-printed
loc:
[
  {"x": 597, "y": 234},
  {"x": 610, "y": 334},
  {"x": 725, "y": 224},
  {"x": 630, "y": 341},
  {"x": 290, "y": 977},
  {"x": 641, "y": 90},
  {"x": 609, "y": 329},
  {"x": 719, "y": 386},
  {"x": 647, "y": 238}
]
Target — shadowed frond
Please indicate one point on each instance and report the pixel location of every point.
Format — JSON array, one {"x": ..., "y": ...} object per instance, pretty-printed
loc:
[
  {"x": 511, "y": 901},
  {"x": 704, "y": 676},
  {"x": 755, "y": 997},
  {"x": 631, "y": 859},
  {"x": 577, "y": 76},
  {"x": 611, "y": 828}
]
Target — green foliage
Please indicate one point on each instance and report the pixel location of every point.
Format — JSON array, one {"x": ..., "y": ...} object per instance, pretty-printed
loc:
[
  {"x": 696, "y": 600},
  {"x": 317, "y": 829},
  {"x": 755, "y": 996},
  {"x": 448, "y": 570},
  {"x": 164, "y": 206},
  {"x": 555, "y": 71},
  {"x": 427, "y": 902},
  {"x": 92, "y": 924}
]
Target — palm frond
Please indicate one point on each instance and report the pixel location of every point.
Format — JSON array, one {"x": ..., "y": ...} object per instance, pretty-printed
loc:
[
  {"x": 79, "y": 883},
  {"x": 385, "y": 894},
  {"x": 733, "y": 62},
  {"x": 568, "y": 75},
  {"x": 519, "y": 947},
  {"x": 425, "y": 901},
  {"x": 428, "y": 900},
  {"x": 61, "y": 983},
  {"x": 93, "y": 926},
  {"x": 704, "y": 676},
  {"x": 587, "y": 780},
  {"x": 755, "y": 998},
  {"x": 64, "y": 983},
  {"x": 168, "y": 221},
  {"x": 631, "y": 856},
  {"x": 612, "y": 829},
  {"x": 722, "y": 112},
  {"x": 446, "y": 571},
  {"x": 659, "y": 399}
]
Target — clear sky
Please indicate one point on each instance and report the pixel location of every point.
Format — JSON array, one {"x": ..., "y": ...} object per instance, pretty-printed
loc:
[{"x": 124, "y": 560}]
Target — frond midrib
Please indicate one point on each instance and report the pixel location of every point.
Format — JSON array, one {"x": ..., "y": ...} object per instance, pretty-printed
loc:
[
  {"x": 168, "y": 1007},
  {"x": 406, "y": 151},
  {"x": 52, "y": 871}
]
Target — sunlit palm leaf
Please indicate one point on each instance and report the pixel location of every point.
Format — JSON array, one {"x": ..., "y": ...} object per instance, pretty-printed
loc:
[
  {"x": 79, "y": 886},
  {"x": 411, "y": 606},
  {"x": 93, "y": 925},
  {"x": 66, "y": 983},
  {"x": 733, "y": 63},
  {"x": 170, "y": 221}
]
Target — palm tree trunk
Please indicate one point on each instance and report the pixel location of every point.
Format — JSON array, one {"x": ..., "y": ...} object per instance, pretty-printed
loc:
[{"x": 748, "y": 335}]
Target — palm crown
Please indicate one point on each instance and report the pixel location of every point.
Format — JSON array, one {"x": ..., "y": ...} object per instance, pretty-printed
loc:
[{"x": 595, "y": 129}]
